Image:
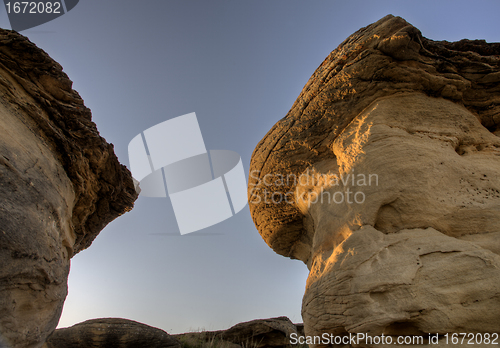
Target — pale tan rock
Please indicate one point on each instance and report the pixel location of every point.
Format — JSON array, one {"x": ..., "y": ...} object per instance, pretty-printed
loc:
[
  {"x": 60, "y": 184},
  {"x": 388, "y": 170}
]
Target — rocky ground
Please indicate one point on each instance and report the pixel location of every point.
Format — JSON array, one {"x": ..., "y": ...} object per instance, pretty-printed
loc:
[{"x": 121, "y": 333}]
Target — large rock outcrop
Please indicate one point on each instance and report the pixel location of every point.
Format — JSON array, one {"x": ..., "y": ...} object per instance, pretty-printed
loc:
[
  {"x": 259, "y": 333},
  {"x": 123, "y": 333},
  {"x": 111, "y": 333},
  {"x": 384, "y": 179},
  {"x": 60, "y": 184}
]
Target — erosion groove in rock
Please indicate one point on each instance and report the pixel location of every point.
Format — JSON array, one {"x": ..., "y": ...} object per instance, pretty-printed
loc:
[
  {"x": 384, "y": 179},
  {"x": 111, "y": 333},
  {"x": 60, "y": 184}
]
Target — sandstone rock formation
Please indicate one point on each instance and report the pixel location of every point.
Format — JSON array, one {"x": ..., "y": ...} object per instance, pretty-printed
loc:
[
  {"x": 122, "y": 333},
  {"x": 384, "y": 179},
  {"x": 274, "y": 332},
  {"x": 111, "y": 333},
  {"x": 60, "y": 184},
  {"x": 259, "y": 333}
]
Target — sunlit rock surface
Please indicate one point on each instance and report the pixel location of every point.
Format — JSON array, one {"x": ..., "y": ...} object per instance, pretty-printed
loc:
[
  {"x": 60, "y": 184},
  {"x": 384, "y": 179}
]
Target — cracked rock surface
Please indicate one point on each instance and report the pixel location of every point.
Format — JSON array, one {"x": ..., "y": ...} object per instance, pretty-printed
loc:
[
  {"x": 60, "y": 184},
  {"x": 384, "y": 179}
]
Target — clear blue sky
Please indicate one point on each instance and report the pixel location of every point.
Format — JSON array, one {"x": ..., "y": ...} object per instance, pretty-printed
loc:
[{"x": 239, "y": 65}]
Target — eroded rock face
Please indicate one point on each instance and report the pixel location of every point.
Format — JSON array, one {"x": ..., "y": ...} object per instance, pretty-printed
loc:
[
  {"x": 386, "y": 182},
  {"x": 111, "y": 333},
  {"x": 60, "y": 184}
]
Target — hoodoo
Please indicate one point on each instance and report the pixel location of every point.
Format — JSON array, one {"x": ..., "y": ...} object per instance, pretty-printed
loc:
[
  {"x": 60, "y": 184},
  {"x": 418, "y": 251}
]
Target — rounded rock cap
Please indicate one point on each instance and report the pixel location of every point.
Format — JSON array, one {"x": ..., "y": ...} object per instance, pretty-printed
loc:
[{"x": 385, "y": 58}]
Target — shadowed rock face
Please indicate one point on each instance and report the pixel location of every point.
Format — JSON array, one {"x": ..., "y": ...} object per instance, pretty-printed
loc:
[
  {"x": 111, "y": 333},
  {"x": 123, "y": 333},
  {"x": 259, "y": 333},
  {"x": 60, "y": 184},
  {"x": 384, "y": 179}
]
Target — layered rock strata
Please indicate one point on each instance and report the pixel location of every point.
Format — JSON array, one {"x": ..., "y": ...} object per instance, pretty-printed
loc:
[
  {"x": 60, "y": 184},
  {"x": 384, "y": 179}
]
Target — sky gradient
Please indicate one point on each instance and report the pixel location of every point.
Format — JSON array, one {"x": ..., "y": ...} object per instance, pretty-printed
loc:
[{"x": 239, "y": 65}]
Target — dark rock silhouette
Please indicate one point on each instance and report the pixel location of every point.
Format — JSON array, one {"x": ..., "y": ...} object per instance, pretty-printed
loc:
[
  {"x": 111, "y": 333},
  {"x": 259, "y": 333},
  {"x": 122, "y": 333}
]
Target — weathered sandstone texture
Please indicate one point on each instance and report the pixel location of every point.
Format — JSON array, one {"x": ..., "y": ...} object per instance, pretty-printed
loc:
[
  {"x": 60, "y": 184},
  {"x": 111, "y": 333},
  {"x": 384, "y": 179}
]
